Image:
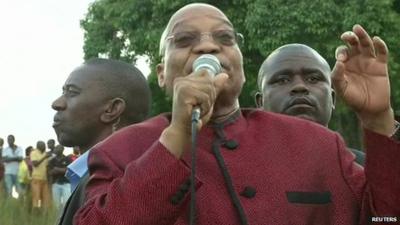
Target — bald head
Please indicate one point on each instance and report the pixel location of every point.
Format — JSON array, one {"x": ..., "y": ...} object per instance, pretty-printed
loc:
[
  {"x": 292, "y": 52},
  {"x": 179, "y": 15},
  {"x": 295, "y": 80}
]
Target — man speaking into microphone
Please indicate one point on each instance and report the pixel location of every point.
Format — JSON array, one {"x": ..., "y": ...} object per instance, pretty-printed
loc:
[{"x": 247, "y": 171}]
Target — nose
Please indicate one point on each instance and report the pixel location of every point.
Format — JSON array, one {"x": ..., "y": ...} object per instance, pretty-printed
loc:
[
  {"x": 206, "y": 45},
  {"x": 59, "y": 104},
  {"x": 299, "y": 86}
]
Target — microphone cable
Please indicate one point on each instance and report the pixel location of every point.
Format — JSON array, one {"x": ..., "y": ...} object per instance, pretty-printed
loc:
[
  {"x": 195, "y": 122},
  {"x": 213, "y": 66}
]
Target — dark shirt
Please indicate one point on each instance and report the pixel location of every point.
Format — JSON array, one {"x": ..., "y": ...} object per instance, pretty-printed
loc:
[{"x": 61, "y": 162}]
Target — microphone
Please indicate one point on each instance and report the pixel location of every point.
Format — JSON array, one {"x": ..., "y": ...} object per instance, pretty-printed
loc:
[{"x": 213, "y": 66}]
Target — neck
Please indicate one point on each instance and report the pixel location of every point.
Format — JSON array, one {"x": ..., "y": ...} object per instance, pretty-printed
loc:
[
  {"x": 222, "y": 113},
  {"x": 101, "y": 136}
]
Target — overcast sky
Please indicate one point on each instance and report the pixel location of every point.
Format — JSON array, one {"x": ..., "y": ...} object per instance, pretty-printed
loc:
[{"x": 40, "y": 44}]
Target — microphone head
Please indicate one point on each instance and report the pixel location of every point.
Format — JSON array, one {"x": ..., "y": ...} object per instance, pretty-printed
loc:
[{"x": 208, "y": 62}]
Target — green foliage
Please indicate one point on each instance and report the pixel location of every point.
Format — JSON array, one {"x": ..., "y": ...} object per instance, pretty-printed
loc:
[{"x": 125, "y": 29}]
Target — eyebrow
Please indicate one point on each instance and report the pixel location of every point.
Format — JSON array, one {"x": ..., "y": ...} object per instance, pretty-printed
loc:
[
  {"x": 283, "y": 71},
  {"x": 71, "y": 86}
]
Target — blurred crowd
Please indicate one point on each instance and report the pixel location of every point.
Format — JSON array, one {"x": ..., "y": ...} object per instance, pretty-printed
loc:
[{"x": 35, "y": 175}]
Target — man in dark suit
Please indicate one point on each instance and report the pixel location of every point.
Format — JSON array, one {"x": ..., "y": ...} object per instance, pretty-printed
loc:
[
  {"x": 296, "y": 80},
  {"x": 99, "y": 97}
]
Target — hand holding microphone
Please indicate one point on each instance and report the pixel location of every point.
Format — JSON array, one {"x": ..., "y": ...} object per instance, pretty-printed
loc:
[
  {"x": 211, "y": 64},
  {"x": 195, "y": 93}
]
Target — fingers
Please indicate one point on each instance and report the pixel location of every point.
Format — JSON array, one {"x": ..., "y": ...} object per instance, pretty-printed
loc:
[
  {"x": 352, "y": 41},
  {"x": 366, "y": 45},
  {"x": 201, "y": 94},
  {"x": 359, "y": 42},
  {"x": 341, "y": 53},
  {"x": 219, "y": 81},
  {"x": 381, "y": 49},
  {"x": 338, "y": 79},
  {"x": 198, "y": 90}
]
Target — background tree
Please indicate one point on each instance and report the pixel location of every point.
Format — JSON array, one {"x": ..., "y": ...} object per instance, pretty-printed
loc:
[{"x": 126, "y": 29}]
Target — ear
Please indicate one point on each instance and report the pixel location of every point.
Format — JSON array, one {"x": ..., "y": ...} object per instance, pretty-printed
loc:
[
  {"x": 258, "y": 99},
  {"x": 160, "y": 75},
  {"x": 114, "y": 108},
  {"x": 333, "y": 93}
]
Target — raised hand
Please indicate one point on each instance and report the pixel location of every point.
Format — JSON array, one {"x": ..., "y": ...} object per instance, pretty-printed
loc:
[{"x": 360, "y": 77}]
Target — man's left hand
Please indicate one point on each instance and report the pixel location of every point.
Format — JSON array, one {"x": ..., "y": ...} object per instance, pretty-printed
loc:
[{"x": 360, "y": 77}]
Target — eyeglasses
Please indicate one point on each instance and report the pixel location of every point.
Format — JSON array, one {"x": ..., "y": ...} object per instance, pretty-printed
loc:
[{"x": 190, "y": 38}]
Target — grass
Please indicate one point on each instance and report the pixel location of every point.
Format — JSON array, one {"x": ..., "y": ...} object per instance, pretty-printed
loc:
[{"x": 18, "y": 212}]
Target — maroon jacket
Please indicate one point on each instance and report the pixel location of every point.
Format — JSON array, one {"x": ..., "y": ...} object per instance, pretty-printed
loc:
[{"x": 283, "y": 171}]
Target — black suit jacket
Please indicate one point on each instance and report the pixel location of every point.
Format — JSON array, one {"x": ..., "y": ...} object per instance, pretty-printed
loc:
[{"x": 75, "y": 201}]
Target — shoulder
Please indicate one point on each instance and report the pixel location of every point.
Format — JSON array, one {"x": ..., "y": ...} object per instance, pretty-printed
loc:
[
  {"x": 130, "y": 142},
  {"x": 273, "y": 123},
  {"x": 135, "y": 133},
  {"x": 274, "y": 119},
  {"x": 35, "y": 153},
  {"x": 6, "y": 150}
]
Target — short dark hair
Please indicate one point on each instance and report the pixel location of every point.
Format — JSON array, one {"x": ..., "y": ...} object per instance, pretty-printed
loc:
[{"x": 125, "y": 81}]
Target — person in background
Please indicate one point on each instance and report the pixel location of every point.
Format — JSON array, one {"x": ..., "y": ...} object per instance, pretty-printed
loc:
[
  {"x": 76, "y": 152},
  {"x": 39, "y": 184},
  {"x": 57, "y": 167},
  {"x": 1, "y": 146},
  {"x": 296, "y": 80},
  {"x": 1, "y": 169},
  {"x": 99, "y": 97},
  {"x": 25, "y": 176},
  {"x": 50, "y": 145},
  {"x": 12, "y": 156}
]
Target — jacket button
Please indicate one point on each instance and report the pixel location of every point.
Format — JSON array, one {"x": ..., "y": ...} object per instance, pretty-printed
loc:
[
  {"x": 174, "y": 200},
  {"x": 177, "y": 198},
  {"x": 180, "y": 194},
  {"x": 185, "y": 186},
  {"x": 230, "y": 144},
  {"x": 248, "y": 192}
]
